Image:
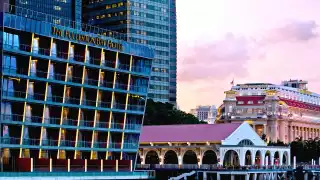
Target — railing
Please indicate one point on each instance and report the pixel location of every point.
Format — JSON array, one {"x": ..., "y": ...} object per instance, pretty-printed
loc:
[
  {"x": 212, "y": 167},
  {"x": 75, "y": 58},
  {"x": 10, "y": 140},
  {"x": 84, "y": 144},
  {"x": 48, "y": 18},
  {"x": 77, "y": 80},
  {"x": 133, "y": 127},
  {"x": 130, "y": 145}
]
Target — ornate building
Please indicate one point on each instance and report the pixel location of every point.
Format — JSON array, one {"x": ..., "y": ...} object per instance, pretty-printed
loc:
[{"x": 281, "y": 112}]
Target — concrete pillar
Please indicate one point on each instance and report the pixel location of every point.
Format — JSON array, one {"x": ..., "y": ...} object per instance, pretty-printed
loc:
[
  {"x": 247, "y": 176},
  {"x": 291, "y": 131},
  {"x": 274, "y": 133},
  {"x": 280, "y": 158},
  {"x": 272, "y": 159},
  {"x": 255, "y": 176},
  {"x": 253, "y": 158},
  {"x": 161, "y": 160},
  {"x": 85, "y": 165},
  {"x": 267, "y": 160},
  {"x": 68, "y": 165},
  {"x": 50, "y": 165},
  {"x": 294, "y": 162},
  {"x": 204, "y": 175},
  {"x": 199, "y": 160},
  {"x": 117, "y": 165},
  {"x": 101, "y": 165},
  {"x": 31, "y": 165},
  {"x": 262, "y": 159},
  {"x": 305, "y": 176},
  {"x": 218, "y": 176},
  {"x": 232, "y": 177},
  {"x": 180, "y": 160}
]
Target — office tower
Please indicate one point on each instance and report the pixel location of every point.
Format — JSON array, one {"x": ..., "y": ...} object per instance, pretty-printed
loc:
[
  {"x": 149, "y": 22},
  {"x": 59, "y": 9},
  {"x": 68, "y": 94}
]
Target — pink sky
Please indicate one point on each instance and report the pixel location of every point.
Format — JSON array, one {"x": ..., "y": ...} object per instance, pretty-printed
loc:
[{"x": 248, "y": 40}]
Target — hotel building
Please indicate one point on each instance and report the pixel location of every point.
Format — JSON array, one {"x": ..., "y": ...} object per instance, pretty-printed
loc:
[
  {"x": 281, "y": 112},
  {"x": 148, "y": 22},
  {"x": 69, "y": 93}
]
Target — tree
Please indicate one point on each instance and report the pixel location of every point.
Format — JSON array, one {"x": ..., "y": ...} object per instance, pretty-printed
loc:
[{"x": 158, "y": 113}]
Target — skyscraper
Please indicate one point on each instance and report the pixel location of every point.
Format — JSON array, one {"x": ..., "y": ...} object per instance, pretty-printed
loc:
[
  {"x": 150, "y": 22},
  {"x": 68, "y": 96},
  {"x": 59, "y": 9}
]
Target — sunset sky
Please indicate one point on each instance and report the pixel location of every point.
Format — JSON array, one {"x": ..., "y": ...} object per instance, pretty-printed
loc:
[{"x": 248, "y": 40}]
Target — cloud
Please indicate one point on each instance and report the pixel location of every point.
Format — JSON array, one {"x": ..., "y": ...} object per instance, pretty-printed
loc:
[
  {"x": 230, "y": 55},
  {"x": 213, "y": 60},
  {"x": 292, "y": 32}
]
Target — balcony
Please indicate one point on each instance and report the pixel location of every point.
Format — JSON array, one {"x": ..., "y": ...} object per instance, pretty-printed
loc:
[
  {"x": 130, "y": 145},
  {"x": 74, "y": 59},
  {"x": 135, "y": 127}
]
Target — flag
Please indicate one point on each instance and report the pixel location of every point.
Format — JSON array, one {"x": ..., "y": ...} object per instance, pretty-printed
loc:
[{"x": 232, "y": 82}]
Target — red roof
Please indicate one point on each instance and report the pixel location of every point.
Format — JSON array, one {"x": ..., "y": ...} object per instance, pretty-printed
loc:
[
  {"x": 302, "y": 105},
  {"x": 187, "y": 133},
  {"x": 245, "y": 100}
]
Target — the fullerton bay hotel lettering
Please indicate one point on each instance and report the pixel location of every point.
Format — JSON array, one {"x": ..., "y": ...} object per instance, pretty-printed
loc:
[{"x": 85, "y": 38}]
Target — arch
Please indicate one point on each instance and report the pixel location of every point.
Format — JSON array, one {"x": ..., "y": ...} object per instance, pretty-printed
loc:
[
  {"x": 152, "y": 157},
  {"x": 285, "y": 158},
  {"x": 247, "y": 158},
  {"x": 170, "y": 157},
  {"x": 209, "y": 157},
  {"x": 267, "y": 161},
  {"x": 246, "y": 142},
  {"x": 231, "y": 158},
  {"x": 258, "y": 157},
  {"x": 190, "y": 157},
  {"x": 276, "y": 158}
]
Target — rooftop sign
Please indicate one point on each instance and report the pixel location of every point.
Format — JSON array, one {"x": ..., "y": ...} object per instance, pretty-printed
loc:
[{"x": 86, "y": 38}]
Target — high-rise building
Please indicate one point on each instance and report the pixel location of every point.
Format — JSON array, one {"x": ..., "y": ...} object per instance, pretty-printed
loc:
[
  {"x": 69, "y": 95},
  {"x": 205, "y": 113},
  {"x": 58, "y": 9},
  {"x": 149, "y": 22}
]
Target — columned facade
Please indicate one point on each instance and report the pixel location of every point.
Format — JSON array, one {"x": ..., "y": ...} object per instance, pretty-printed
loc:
[
  {"x": 183, "y": 155},
  {"x": 255, "y": 155}
]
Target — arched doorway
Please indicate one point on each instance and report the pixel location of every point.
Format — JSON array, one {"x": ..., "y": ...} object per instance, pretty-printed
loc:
[
  {"x": 247, "y": 160},
  {"x": 267, "y": 161},
  {"x": 209, "y": 157},
  {"x": 276, "y": 158},
  {"x": 190, "y": 157},
  {"x": 152, "y": 158},
  {"x": 285, "y": 158},
  {"x": 170, "y": 157},
  {"x": 257, "y": 157},
  {"x": 231, "y": 158}
]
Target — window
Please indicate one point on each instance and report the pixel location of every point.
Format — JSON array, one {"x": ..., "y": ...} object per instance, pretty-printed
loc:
[
  {"x": 260, "y": 102},
  {"x": 250, "y": 102},
  {"x": 58, "y": 8},
  {"x": 240, "y": 102}
]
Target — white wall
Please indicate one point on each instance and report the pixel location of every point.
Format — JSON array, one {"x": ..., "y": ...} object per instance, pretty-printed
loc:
[{"x": 244, "y": 131}]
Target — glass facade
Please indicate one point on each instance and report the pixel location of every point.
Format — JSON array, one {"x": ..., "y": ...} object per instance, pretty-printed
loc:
[
  {"x": 69, "y": 94},
  {"x": 149, "y": 22},
  {"x": 59, "y": 9}
]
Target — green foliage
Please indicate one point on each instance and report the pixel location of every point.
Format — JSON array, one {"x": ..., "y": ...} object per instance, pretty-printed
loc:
[
  {"x": 305, "y": 150},
  {"x": 158, "y": 113}
]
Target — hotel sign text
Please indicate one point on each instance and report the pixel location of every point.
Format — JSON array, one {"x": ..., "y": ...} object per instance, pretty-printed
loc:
[{"x": 85, "y": 38}]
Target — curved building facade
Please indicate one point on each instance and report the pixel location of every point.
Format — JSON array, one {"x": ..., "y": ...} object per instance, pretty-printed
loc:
[
  {"x": 280, "y": 112},
  {"x": 67, "y": 93}
]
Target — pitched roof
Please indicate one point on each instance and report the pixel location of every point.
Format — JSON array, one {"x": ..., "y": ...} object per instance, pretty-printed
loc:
[{"x": 187, "y": 133}]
